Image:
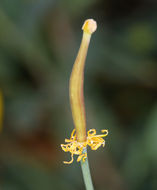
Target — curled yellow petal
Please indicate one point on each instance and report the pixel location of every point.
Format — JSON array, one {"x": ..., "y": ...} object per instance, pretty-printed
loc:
[
  {"x": 71, "y": 161},
  {"x": 84, "y": 157},
  {"x": 91, "y": 132},
  {"x": 80, "y": 157},
  {"x": 105, "y": 131}
]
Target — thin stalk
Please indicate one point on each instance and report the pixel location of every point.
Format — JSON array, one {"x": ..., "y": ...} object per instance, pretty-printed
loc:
[{"x": 86, "y": 173}]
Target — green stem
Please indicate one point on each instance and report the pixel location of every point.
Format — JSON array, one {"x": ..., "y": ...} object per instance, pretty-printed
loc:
[{"x": 86, "y": 173}]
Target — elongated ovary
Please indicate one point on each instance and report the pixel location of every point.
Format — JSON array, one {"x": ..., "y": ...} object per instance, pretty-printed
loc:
[{"x": 77, "y": 80}]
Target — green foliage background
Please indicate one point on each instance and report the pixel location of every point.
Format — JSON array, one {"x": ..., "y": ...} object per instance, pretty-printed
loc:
[{"x": 39, "y": 40}]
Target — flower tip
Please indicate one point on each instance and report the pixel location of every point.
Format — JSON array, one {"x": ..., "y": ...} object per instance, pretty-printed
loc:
[
  {"x": 105, "y": 131},
  {"x": 89, "y": 26}
]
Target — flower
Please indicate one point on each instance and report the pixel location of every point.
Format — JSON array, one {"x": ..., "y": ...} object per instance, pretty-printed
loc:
[
  {"x": 77, "y": 148},
  {"x": 79, "y": 140}
]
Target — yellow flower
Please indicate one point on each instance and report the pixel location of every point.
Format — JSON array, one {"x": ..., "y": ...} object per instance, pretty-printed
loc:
[
  {"x": 79, "y": 140},
  {"x": 77, "y": 148}
]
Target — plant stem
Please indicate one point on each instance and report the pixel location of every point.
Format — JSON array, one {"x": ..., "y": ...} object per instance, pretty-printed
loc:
[{"x": 86, "y": 173}]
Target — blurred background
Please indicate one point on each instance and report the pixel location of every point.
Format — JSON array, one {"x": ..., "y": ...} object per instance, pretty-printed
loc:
[{"x": 39, "y": 40}]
